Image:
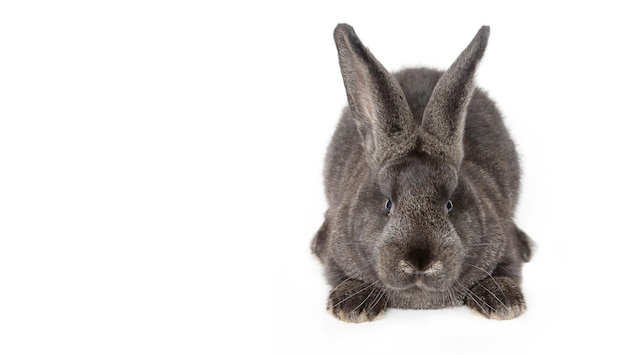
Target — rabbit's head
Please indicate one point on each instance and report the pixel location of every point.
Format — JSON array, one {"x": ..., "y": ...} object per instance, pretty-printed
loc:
[{"x": 399, "y": 227}]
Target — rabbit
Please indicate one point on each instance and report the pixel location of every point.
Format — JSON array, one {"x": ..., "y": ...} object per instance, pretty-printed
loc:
[{"x": 422, "y": 180}]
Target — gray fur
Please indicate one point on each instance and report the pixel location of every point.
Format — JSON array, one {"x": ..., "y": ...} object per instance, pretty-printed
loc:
[{"x": 419, "y": 138}]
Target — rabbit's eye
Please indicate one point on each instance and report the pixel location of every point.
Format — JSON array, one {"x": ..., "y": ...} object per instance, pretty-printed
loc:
[
  {"x": 449, "y": 206},
  {"x": 388, "y": 205}
]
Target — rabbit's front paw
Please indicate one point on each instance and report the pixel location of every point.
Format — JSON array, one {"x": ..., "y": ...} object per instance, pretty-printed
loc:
[
  {"x": 355, "y": 302},
  {"x": 498, "y": 297}
]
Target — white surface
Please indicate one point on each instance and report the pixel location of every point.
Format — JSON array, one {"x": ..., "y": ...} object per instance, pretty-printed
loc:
[{"x": 160, "y": 173}]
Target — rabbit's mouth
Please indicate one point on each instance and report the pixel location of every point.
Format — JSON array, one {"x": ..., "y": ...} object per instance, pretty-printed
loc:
[
  {"x": 404, "y": 275},
  {"x": 431, "y": 279},
  {"x": 426, "y": 267}
]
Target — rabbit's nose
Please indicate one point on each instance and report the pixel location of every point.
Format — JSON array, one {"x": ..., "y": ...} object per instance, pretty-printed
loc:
[
  {"x": 417, "y": 262},
  {"x": 408, "y": 268}
]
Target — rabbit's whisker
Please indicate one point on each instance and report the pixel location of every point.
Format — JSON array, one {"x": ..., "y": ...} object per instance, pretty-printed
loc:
[
  {"x": 341, "y": 283},
  {"x": 365, "y": 300},
  {"x": 476, "y": 299},
  {"x": 379, "y": 297},
  {"x": 363, "y": 288},
  {"x": 494, "y": 281}
]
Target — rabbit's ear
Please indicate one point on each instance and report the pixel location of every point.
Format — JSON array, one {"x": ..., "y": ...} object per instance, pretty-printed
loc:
[
  {"x": 444, "y": 115},
  {"x": 376, "y": 100}
]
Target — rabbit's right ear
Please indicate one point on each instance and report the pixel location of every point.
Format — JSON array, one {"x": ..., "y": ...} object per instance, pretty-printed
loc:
[
  {"x": 381, "y": 111},
  {"x": 444, "y": 115}
]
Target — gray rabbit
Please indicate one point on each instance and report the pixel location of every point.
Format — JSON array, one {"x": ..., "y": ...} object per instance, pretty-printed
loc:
[{"x": 422, "y": 180}]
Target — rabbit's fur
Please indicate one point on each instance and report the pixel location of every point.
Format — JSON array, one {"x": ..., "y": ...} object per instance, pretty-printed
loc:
[{"x": 411, "y": 146}]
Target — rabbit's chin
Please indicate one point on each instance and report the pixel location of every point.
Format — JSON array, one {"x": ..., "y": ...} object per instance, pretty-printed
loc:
[{"x": 418, "y": 286}]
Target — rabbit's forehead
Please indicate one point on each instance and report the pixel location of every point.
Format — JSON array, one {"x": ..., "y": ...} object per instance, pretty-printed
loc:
[{"x": 418, "y": 176}]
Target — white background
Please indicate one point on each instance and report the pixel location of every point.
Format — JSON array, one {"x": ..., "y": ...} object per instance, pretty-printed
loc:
[{"x": 160, "y": 173}]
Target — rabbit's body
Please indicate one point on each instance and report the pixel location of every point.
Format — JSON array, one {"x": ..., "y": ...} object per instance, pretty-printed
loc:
[{"x": 391, "y": 165}]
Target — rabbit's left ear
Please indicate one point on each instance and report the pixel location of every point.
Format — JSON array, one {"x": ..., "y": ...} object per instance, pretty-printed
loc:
[
  {"x": 376, "y": 100},
  {"x": 444, "y": 116}
]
